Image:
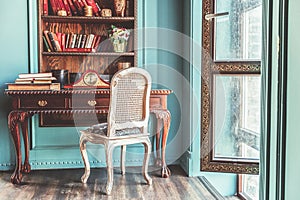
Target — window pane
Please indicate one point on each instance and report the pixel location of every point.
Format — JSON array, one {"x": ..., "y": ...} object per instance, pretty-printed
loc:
[
  {"x": 250, "y": 186},
  {"x": 236, "y": 116},
  {"x": 238, "y": 35}
]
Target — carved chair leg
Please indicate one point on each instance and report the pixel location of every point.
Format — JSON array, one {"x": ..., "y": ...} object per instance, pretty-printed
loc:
[
  {"x": 123, "y": 156},
  {"x": 85, "y": 159},
  {"x": 165, "y": 170},
  {"x": 110, "y": 171},
  {"x": 147, "y": 146}
]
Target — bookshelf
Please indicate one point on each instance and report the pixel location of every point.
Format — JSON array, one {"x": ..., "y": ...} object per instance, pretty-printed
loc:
[{"x": 102, "y": 58}]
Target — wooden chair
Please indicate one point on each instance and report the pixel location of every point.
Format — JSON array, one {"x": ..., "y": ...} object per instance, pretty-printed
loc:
[{"x": 127, "y": 122}]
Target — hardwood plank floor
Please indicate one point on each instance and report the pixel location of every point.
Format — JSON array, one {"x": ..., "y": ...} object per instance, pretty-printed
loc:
[{"x": 66, "y": 184}]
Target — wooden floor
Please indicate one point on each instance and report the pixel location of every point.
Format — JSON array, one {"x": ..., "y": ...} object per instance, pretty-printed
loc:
[{"x": 65, "y": 184}]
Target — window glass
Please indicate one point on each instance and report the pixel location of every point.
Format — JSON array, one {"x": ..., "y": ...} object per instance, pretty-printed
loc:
[
  {"x": 238, "y": 36},
  {"x": 236, "y": 122}
]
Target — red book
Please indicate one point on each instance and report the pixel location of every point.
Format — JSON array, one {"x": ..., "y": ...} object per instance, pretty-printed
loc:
[
  {"x": 94, "y": 6},
  {"x": 81, "y": 50},
  {"x": 54, "y": 6},
  {"x": 45, "y": 7},
  {"x": 61, "y": 5},
  {"x": 58, "y": 35},
  {"x": 63, "y": 41},
  {"x": 67, "y": 7},
  {"x": 78, "y": 7},
  {"x": 84, "y": 2},
  {"x": 94, "y": 41},
  {"x": 72, "y": 7},
  {"x": 81, "y": 3},
  {"x": 97, "y": 42}
]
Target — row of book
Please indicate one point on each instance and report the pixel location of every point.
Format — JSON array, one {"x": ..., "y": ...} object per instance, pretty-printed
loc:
[
  {"x": 34, "y": 81},
  {"x": 71, "y": 7},
  {"x": 70, "y": 42}
]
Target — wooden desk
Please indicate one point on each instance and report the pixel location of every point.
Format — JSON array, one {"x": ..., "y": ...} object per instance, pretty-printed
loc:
[{"x": 65, "y": 102}]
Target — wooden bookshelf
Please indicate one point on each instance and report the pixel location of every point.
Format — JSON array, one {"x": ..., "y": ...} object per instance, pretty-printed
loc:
[{"x": 103, "y": 59}]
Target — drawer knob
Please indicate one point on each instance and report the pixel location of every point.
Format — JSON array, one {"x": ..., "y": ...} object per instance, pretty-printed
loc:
[
  {"x": 42, "y": 103},
  {"x": 92, "y": 102}
]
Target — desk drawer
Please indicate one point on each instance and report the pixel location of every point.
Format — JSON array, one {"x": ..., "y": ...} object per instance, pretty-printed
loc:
[
  {"x": 87, "y": 103},
  {"x": 41, "y": 102}
]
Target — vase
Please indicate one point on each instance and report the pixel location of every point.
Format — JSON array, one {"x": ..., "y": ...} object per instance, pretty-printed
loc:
[
  {"x": 120, "y": 6},
  {"x": 120, "y": 47}
]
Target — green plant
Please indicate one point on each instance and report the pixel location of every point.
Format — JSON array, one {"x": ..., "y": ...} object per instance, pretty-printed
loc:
[{"x": 118, "y": 35}]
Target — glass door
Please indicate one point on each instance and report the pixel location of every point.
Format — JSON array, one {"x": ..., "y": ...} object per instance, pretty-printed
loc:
[{"x": 230, "y": 87}]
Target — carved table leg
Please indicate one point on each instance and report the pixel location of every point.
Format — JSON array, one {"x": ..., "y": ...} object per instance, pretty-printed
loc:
[
  {"x": 157, "y": 137},
  {"x": 165, "y": 116},
  {"x": 24, "y": 125},
  {"x": 14, "y": 118}
]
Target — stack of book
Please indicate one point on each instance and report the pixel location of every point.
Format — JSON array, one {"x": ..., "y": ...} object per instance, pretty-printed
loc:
[
  {"x": 70, "y": 42},
  {"x": 70, "y": 7},
  {"x": 34, "y": 81}
]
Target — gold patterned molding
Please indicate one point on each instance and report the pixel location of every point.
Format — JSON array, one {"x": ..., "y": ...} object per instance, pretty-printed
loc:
[{"x": 208, "y": 69}]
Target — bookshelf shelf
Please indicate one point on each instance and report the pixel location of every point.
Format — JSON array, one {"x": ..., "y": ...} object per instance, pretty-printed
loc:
[
  {"x": 88, "y": 54},
  {"x": 83, "y": 19}
]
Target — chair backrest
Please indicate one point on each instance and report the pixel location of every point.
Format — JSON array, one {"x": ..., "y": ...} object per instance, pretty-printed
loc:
[{"x": 129, "y": 101}]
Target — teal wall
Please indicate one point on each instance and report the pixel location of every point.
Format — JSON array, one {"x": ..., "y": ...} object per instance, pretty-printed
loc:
[{"x": 14, "y": 60}]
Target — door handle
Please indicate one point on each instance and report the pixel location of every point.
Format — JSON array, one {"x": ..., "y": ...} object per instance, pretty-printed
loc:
[{"x": 209, "y": 17}]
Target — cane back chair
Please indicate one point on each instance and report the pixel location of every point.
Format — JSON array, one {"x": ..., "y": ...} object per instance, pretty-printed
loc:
[{"x": 127, "y": 122}]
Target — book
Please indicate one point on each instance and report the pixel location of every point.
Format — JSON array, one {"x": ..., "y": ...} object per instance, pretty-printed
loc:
[
  {"x": 36, "y": 75},
  {"x": 78, "y": 6},
  {"x": 94, "y": 7},
  {"x": 24, "y": 80},
  {"x": 35, "y": 81},
  {"x": 97, "y": 42},
  {"x": 54, "y": 41},
  {"x": 84, "y": 3},
  {"x": 72, "y": 7},
  {"x": 45, "y": 7},
  {"x": 67, "y": 7},
  {"x": 58, "y": 35},
  {"x": 43, "y": 80},
  {"x": 67, "y": 40},
  {"x": 83, "y": 40},
  {"x": 63, "y": 41},
  {"x": 46, "y": 45},
  {"x": 78, "y": 40},
  {"x": 32, "y": 86},
  {"x": 48, "y": 40},
  {"x": 89, "y": 40},
  {"x": 61, "y": 5},
  {"x": 54, "y": 6},
  {"x": 72, "y": 40}
]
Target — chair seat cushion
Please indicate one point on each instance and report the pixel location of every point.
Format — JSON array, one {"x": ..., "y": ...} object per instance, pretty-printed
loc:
[{"x": 102, "y": 130}]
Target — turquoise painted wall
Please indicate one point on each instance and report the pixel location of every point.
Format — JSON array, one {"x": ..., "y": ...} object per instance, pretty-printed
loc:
[
  {"x": 293, "y": 99},
  {"x": 14, "y": 60}
]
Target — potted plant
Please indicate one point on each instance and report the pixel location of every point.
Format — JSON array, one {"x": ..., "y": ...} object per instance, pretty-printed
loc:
[{"x": 119, "y": 38}]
